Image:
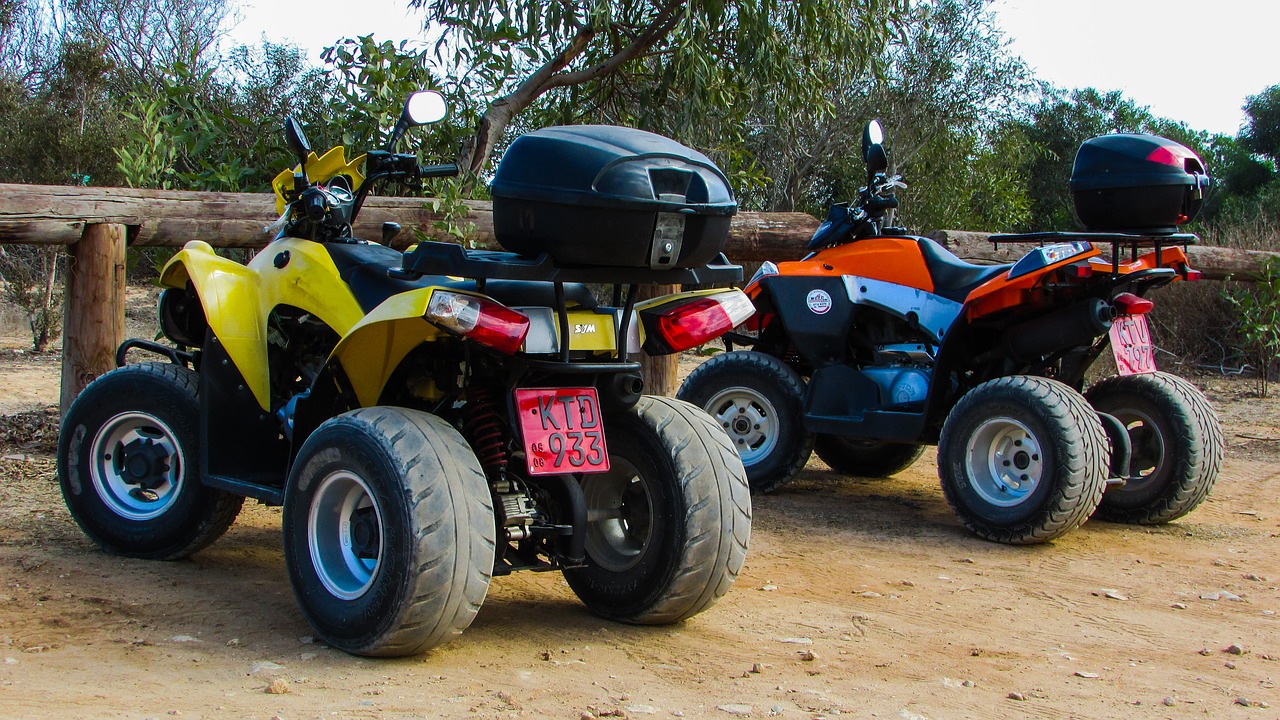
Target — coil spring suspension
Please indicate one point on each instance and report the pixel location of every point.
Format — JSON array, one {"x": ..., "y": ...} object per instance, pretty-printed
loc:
[{"x": 484, "y": 430}]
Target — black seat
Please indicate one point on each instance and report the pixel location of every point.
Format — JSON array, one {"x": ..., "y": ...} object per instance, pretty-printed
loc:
[
  {"x": 954, "y": 278},
  {"x": 363, "y": 267}
]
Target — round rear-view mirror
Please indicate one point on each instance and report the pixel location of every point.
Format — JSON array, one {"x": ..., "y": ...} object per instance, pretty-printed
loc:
[{"x": 425, "y": 107}]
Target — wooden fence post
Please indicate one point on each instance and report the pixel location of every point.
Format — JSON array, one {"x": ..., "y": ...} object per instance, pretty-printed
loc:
[
  {"x": 93, "y": 307},
  {"x": 659, "y": 373}
]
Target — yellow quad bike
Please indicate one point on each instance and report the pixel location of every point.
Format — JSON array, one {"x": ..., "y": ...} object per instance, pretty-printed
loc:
[{"x": 433, "y": 418}]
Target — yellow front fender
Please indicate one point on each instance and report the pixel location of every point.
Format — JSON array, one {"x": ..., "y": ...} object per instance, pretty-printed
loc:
[{"x": 238, "y": 299}]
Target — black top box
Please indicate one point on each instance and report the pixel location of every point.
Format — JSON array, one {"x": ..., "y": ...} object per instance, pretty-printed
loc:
[
  {"x": 592, "y": 195},
  {"x": 1141, "y": 184}
]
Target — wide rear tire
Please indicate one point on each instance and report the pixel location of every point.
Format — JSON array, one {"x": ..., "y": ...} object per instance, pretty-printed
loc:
[
  {"x": 1023, "y": 459},
  {"x": 668, "y": 525},
  {"x": 865, "y": 457},
  {"x": 1176, "y": 442},
  {"x": 388, "y": 532},
  {"x": 757, "y": 400},
  {"x": 128, "y": 465}
]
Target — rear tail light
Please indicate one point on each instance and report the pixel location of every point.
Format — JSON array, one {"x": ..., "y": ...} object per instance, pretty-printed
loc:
[
  {"x": 677, "y": 327},
  {"x": 485, "y": 321},
  {"x": 1169, "y": 156},
  {"x": 1192, "y": 275},
  {"x": 1077, "y": 271},
  {"x": 1130, "y": 304}
]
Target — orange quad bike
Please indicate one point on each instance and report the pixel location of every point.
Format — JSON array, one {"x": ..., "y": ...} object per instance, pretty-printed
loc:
[{"x": 878, "y": 343}]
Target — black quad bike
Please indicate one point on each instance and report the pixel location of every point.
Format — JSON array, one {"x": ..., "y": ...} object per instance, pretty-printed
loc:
[
  {"x": 433, "y": 418},
  {"x": 878, "y": 343}
]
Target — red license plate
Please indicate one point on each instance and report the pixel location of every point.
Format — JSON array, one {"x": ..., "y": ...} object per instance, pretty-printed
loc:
[
  {"x": 1131, "y": 344},
  {"x": 562, "y": 429}
]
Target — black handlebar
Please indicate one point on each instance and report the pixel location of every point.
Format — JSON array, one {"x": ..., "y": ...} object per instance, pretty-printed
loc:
[{"x": 434, "y": 171}]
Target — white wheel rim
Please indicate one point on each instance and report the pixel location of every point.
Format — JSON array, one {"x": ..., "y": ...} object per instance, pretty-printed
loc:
[
  {"x": 749, "y": 419},
  {"x": 137, "y": 466},
  {"x": 1004, "y": 462},
  {"x": 619, "y": 516},
  {"x": 345, "y": 535}
]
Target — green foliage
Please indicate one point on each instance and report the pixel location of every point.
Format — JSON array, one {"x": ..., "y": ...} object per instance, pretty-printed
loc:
[
  {"x": 1258, "y": 308},
  {"x": 1263, "y": 134}
]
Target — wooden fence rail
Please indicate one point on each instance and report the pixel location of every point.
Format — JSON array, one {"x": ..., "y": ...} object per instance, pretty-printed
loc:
[{"x": 96, "y": 224}]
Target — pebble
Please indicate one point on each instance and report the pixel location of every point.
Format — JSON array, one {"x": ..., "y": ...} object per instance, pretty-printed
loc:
[
  {"x": 11, "y": 661},
  {"x": 1114, "y": 595},
  {"x": 1179, "y": 606},
  {"x": 808, "y": 655},
  {"x": 1234, "y": 649},
  {"x": 233, "y": 642},
  {"x": 757, "y": 668},
  {"x": 1251, "y": 703},
  {"x": 768, "y": 588},
  {"x": 966, "y": 560},
  {"x": 870, "y": 594},
  {"x": 185, "y": 639},
  {"x": 1016, "y": 696},
  {"x": 266, "y": 666},
  {"x": 306, "y": 639},
  {"x": 1229, "y": 665},
  {"x": 277, "y": 687},
  {"x": 1168, "y": 702},
  {"x": 908, "y": 583},
  {"x": 735, "y": 709},
  {"x": 1254, "y": 578},
  {"x": 776, "y": 710},
  {"x": 796, "y": 640},
  {"x": 967, "y": 683},
  {"x": 1230, "y": 596},
  {"x": 642, "y": 709},
  {"x": 1086, "y": 675},
  {"x": 586, "y": 716}
]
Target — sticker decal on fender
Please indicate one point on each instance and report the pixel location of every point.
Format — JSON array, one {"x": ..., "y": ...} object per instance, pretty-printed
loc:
[{"x": 819, "y": 302}]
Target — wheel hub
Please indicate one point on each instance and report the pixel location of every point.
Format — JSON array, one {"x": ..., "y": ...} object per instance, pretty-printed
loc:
[
  {"x": 344, "y": 534},
  {"x": 145, "y": 463},
  {"x": 137, "y": 465},
  {"x": 749, "y": 419},
  {"x": 1003, "y": 461}
]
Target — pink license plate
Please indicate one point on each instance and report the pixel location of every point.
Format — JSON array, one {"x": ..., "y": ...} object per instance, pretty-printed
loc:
[
  {"x": 562, "y": 430},
  {"x": 1131, "y": 344}
]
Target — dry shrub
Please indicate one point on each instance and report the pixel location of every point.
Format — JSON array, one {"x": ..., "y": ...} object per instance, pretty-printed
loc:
[{"x": 1196, "y": 324}]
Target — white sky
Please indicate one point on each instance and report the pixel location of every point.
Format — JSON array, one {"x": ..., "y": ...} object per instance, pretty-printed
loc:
[{"x": 1189, "y": 60}]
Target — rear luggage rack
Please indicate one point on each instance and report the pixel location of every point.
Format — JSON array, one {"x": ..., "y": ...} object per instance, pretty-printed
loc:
[{"x": 1134, "y": 241}]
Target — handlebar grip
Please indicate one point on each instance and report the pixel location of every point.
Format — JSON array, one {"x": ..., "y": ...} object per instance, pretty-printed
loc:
[{"x": 445, "y": 170}]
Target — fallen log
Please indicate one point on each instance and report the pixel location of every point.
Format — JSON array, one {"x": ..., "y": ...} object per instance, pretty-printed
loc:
[{"x": 58, "y": 215}]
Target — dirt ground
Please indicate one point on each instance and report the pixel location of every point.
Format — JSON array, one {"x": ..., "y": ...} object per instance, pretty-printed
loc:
[{"x": 859, "y": 597}]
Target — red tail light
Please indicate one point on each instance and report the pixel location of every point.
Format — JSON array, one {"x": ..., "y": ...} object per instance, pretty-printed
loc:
[
  {"x": 1192, "y": 275},
  {"x": 689, "y": 324},
  {"x": 1168, "y": 156},
  {"x": 1130, "y": 304},
  {"x": 485, "y": 321}
]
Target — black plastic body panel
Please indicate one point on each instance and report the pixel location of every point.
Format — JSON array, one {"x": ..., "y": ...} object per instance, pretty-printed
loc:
[
  {"x": 818, "y": 337},
  {"x": 242, "y": 449},
  {"x": 612, "y": 196}
]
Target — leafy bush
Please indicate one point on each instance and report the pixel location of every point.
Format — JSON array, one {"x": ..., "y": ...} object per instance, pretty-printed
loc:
[{"x": 1258, "y": 306}]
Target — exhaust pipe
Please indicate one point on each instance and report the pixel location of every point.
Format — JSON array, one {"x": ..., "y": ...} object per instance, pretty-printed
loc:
[{"x": 1073, "y": 325}]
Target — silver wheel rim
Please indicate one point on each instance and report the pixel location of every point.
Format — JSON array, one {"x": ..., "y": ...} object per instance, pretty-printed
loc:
[
  {"x": 1147, "y": 456},
  {"x": 344, "y": 533},
  {"x": 137, "y": 466},
  {"x": 1004, "y": 462},
  {"x": 749, "y": 419},
  {"x": 619, "y": 516}
]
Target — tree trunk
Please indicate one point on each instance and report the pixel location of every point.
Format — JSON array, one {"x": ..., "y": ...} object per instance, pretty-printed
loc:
[{"x": 93, "y": 326}]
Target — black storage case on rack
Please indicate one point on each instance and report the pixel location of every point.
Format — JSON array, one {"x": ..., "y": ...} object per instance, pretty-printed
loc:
[
  {"x": 1136, "y": 184},
  {"x": 602, "y": 195}
]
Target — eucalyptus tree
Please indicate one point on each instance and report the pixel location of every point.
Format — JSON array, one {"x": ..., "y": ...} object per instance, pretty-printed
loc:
[{"x": 684, "y": 58}]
